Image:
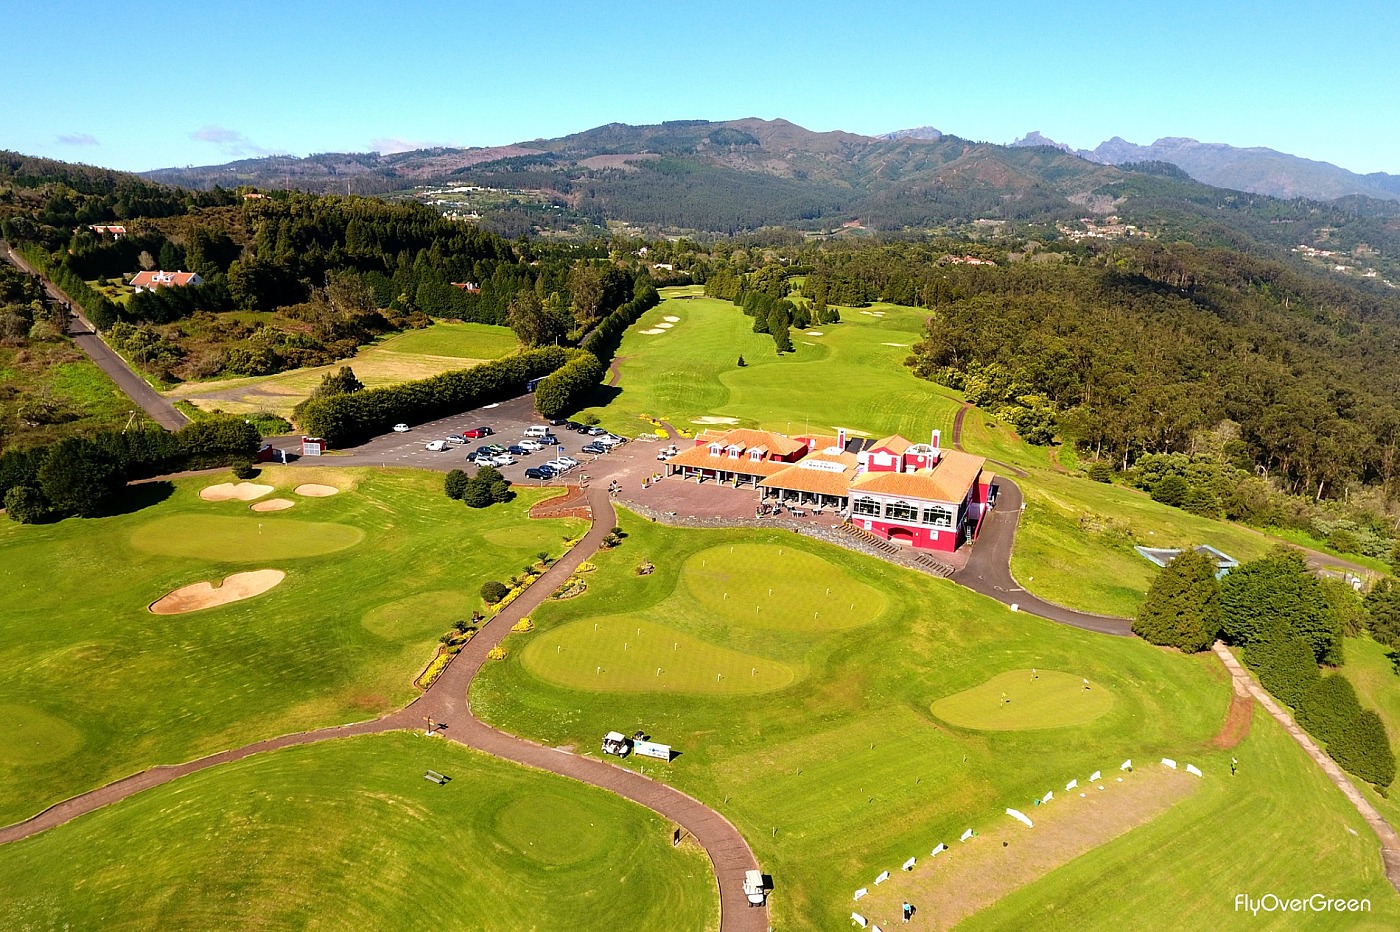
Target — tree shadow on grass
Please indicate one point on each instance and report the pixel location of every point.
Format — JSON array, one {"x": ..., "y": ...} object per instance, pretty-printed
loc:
[
  {"x": 137, "y": 497},
  {"x": 603, "y": 395}
]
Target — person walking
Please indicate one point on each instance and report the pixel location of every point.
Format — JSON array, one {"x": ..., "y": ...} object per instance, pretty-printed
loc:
[{"x": 908, "y": 912}]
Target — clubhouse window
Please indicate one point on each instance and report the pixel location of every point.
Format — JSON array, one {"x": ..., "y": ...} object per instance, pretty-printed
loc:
[
  {"x": 938, "y": 517},
  {"x": 901, "y": 511},
  {"x": 865, "y": 506}
]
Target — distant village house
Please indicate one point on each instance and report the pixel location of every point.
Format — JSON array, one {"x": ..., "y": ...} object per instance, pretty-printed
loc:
[{"x": 150, "y": 281}]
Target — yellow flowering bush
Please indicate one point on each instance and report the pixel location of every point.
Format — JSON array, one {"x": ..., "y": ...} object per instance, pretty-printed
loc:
[
  {"x": 496, "y": 653},
  {"x": 523, "y": 625}
]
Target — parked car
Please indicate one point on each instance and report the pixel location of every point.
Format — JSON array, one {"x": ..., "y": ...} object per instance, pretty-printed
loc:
[
  {"x": 401, "y": 428},
  {"x": 594, "y": 431},
  {"x": 453, "y": 438},
  {"x": 478, "y": 432},
  {"x": 557, "y": 422},
  {"x": 569, "y": 460},
  {"x": 533, "y": 446},
  {"x": 594, "y": 449},
  {"x": 559, "y": 466},
  {"x": 502, "y": 459},
  {"x": 491, "y": 448},
  {"x": 574, "y": 426},
  {"x": 518, "y": 449},
  {"x": 540, "y": 472},
  {"x": 435, "y": 446},
  {"x": 549, "y": 440},
  {"x": 610, "y": 440},
  {"x": 537, "y": 430}
]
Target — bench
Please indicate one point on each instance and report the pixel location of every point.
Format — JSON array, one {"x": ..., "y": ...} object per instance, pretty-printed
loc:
[{"x": 432, "y": 776}]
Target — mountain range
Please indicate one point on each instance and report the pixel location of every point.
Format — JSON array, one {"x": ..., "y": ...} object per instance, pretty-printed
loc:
[{"x": 1255, "y": 169}]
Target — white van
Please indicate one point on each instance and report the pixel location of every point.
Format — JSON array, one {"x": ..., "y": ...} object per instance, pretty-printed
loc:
[
  {"x": 537, "y": 430},
  {"x": 436, "y": 446}
]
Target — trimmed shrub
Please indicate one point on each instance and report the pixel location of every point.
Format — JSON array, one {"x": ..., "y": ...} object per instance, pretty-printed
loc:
[
  {"x": 1182, "y": 608},
  {"x": 493, "y": 591},
  {"x": 455, "y": 484},
  {"x": 1363, "y": 748},
  {"x": 477, "y": 494},
  {"x": 1279, "y": 588},
  {"x": 1383, "y": 612},
  {"x": 1285, "y": 665},
  {"x": 1328, "y": 706},
  {"x": 1171, "y": 490},
  {"x": 1101, "y": 472},
  {"x": 26, "y": 504},
  {"x": 244, "y": 471}
]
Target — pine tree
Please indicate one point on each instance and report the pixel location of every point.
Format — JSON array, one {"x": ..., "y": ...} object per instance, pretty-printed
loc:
[{"x": 1182, "y": 608}]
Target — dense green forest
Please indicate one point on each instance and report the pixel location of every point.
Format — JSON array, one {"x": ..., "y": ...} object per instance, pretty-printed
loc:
[{"x": 289, "y": 279}]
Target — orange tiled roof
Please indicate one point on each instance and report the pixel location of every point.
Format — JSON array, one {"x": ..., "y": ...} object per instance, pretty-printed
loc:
[
  {"x": 798, "y": 477},
  {"x": 158, "y": 278},
  {"x": 700, "y": 458},
  {"x": 949, "y": 481},
  {"x": 893, "y": 442},
  {"x": 779, "y": 444}
]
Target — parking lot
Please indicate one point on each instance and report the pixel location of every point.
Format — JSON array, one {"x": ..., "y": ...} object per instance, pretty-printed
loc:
[{"x": 628, "y": 463}]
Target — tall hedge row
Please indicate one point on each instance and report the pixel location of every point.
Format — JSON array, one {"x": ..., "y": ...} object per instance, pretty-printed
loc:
[
  {"x": 565, "y": 391},
  {"x": 349, "y": 419},
  {"x": 98, "y": 309},
  {"x": 76, "y": 475},
  {"x": 607, "y": 336}
]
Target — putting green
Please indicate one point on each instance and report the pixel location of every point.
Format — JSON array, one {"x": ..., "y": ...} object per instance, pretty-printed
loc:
[
  {"x": 773, "y": 586},
  {"x": 1014, "y": 701},
  {"x": 415, "y": 616},
  {"x": 625, "y": 654},
  {"x": 250, "y": 539},
  {"x": 31, "y": 736},
  {"x": 553, "y": 830}
]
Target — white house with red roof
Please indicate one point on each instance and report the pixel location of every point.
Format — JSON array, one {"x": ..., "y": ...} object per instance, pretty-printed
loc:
[{"x": 150, "y": 281}]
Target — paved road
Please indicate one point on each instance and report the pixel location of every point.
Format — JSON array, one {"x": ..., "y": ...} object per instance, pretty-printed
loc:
[
  {"x": 84, "y": 334},
  {"x": 446, "y": 702}
]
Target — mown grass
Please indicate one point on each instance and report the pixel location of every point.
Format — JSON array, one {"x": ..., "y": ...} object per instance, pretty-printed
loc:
[
  {"x": 83, "y": 656},
  {"x": 847, "y": 377},
  {"x": 1277, "y": 827},
  {"x": 348, "y": 835},
  {"x": 1371, "y": 668},
  {"x": 847, "y": 771},
  {"x": 413, "y": 354}
]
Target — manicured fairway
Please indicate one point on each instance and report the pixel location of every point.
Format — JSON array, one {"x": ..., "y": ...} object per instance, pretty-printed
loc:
[
  {"x": 348, "y": 835},
  {"x": 850, "y": 376},
  {"x": 1019, "y": 699},
  {"x": 1373, "y": 674},
  {"x": 413, "y": 354},
  {"x": 846, "y": 772},
  {"x": 97, "y": 687}
]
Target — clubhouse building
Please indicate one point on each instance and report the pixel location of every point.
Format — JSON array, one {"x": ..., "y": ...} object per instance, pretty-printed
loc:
[{"x": 914, "y": 493}]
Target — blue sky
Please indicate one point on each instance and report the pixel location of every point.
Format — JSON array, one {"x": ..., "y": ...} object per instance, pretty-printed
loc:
[{"x": 147, "y": 85}]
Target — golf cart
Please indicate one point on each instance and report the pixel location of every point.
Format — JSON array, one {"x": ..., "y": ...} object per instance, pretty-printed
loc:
[
  {"x": 753, "y": 887},
  {"x": 615, "y": 743}
]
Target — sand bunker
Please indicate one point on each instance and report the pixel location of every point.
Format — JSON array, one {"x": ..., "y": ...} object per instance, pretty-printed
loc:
[
  {"x": 664, "y": 326},
  {"x": 243, "y": 492},
  {"x": 200, "y": 595},
  {"x": 312, "y": 490},
  {"x": 814, "y": 333},
  {"x": 671, "y": 320},
  {"x": 712, "y": 419},
  {"x": 894, "y": 344},
  {"x": 652, "y": 331},
  {"x": 273, "y": 504}
]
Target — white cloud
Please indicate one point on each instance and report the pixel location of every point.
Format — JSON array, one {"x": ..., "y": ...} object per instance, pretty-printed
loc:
[
  {"x": 389, "y": 145},
  {"x": 77, "y": 139},
  {"x": 231, "y": 142}
]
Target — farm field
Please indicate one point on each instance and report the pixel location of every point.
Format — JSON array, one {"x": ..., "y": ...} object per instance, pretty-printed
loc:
[
  {"x": 97, "y": 687},
  {"x": 413, "y": 354},
  {"x": 846, "y": 771},
  {"x": 347, "y": 834}
]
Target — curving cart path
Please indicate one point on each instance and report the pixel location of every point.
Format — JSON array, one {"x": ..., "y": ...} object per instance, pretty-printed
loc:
[{"x": 447, "y": 703}]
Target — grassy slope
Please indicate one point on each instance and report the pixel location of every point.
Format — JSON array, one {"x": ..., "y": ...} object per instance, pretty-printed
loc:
[
  {"x": 846, "y": 770},
  {"x": 414, "y": 354},
  {"x": 347, "y": 835},
  {"x": 1373, "y": 674},
  {"x": 340, "y": 640},
  {"x": 845, "y": 378},
  {"x": 62, "y": 373},
  {"x": 1278, "y": 827}
]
